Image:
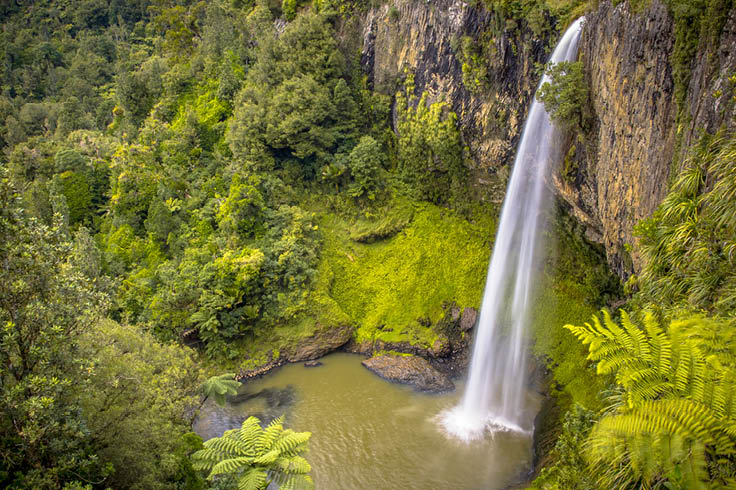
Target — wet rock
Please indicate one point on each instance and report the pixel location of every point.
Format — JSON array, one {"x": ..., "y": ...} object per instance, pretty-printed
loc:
[
  {"x": 411, "y": 370},
  {"x": 320, "y": 343},
  {"x": 490, "y": 115},
  {"x": 468, "y": 319},
  {"x": 455, "y": 313},
  {"x": 248, "y": 374},
  {"x": 370, "y": 347},
  {"x": 441, "y": 347},
  {"x": 312, "y": 364}
]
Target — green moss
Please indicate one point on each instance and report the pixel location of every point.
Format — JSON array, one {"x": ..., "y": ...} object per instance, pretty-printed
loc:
[
  {"x": 392, "y": 353},
  {"x": 393, "y": 290},
  {"x": 368, "y": 231},
  {"x": 562, "y": 303}
]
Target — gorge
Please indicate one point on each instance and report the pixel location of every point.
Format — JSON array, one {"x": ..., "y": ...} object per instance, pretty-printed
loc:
[{"x": 534, "y": 262}]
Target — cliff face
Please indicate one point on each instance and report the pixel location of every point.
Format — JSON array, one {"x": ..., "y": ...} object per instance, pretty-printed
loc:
[
  {"x": 636, "y": 142},
  {"x": 425, "y": 38},
  {"x": 624, "y": 176},
  {"x": 710, "y": 96},
  {"x": 623, "y": 171}
]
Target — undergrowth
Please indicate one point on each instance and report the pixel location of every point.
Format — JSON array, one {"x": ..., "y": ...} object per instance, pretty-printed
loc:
[{"x": 393, "y": 290}]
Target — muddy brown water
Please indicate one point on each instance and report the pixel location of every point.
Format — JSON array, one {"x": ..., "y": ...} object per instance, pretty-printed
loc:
[{"x": 370, "y": 434}]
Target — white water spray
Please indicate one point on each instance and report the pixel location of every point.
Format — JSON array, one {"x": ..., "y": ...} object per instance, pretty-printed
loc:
[{"x": 494, "y": 395}]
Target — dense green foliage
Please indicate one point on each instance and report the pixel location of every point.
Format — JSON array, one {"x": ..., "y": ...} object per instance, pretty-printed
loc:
[
  {"x": 669, "y": 420},
  {"x": 565, "y": 96},
  {"x": 536, "y": 14},
  {"x": 569, "y": 470},
  {"x": 672, "y": 418},
  {"x": 45, "y": 305},
  {"x": 181, "y": 172},
  {"x": 429, "y": 147},
  {"x": 177, "y": 172},
  {"x": 690, "y": 242},
  {"x": 76, "y": 388},
  {"x": 254, "y": 457}
]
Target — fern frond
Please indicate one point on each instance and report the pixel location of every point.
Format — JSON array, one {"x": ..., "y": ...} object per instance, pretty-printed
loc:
[
  {"x": 298, "y": 465},
  {"x": 232, "y": 466},
  {"x": 228, "y": 445},
  {"x": 298, "y": 482},
  {"x": 253, "y": 479},
  {"x": 289, "y": 441},
  {"x": 253, "y": 454},
  {"x": 218, "y": 387},
  {"x": 678, "y": 385},
  {"x": 268, "y": 458},
  {"x": 270, "y": 434},
  {"x": 250, "y": 431}
]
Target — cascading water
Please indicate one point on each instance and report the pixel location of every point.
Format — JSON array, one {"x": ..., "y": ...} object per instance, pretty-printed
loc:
[{"x": 494, "y": 394}]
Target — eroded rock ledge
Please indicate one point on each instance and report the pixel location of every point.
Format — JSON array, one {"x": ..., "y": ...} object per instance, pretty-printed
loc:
[
  {"x": 409, "y": 369},
  {"x": 448, "y": 356}
]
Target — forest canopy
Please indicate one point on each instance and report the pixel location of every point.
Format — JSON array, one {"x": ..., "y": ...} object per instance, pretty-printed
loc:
[
  {"x": 164, "y": 164},
  {"x": 192, "y": 186}
]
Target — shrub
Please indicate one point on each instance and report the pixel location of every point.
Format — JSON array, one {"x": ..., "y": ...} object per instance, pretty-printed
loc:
[
  {"x": 429, "y": 147},
  {"x": 393, "y": 13},
  {"x": 565, "y": 96},
  {"x": 366, "y": 162}
]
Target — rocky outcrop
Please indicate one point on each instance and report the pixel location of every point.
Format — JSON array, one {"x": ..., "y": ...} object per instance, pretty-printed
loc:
[
  {"x": 440, "y": 348},
  {"x": 636, "y": 143},
  {"x": 468, "y": 319},
  {"x": 320, "y": 343},
  {"x": 409, "y": 369},
  {"x": 424, "y": 37},
  {"x": 250, "y": 374},
  {"x": 710, "y": 95},
  {"x": 624, "y": 177}
]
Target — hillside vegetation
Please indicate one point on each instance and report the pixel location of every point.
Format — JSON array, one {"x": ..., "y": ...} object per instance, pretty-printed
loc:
[{"x": 188, "y": 187}]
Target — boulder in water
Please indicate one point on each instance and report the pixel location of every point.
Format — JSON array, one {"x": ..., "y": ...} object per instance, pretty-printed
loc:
[
  {"x": 312, "y": 364},
  {"x": 409, "y": 369},
  {"x": 322, "y": 342}
]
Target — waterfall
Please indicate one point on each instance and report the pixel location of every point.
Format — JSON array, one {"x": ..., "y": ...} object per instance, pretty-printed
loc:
[{"x": 495, "y": 392}]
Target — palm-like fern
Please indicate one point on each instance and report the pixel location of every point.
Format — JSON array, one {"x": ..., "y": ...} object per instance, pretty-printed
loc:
[
  {"x": 220, "y": 386},
  {"x": 689, "y": 245},
  {"x": 255, "y": 456},
  {"x": 333, "y": 172},
  {"x": 675, "y": 416}
]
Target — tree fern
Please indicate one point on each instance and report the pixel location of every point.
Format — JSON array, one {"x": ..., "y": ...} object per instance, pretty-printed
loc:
[
  {"x": 674, "y": 416},
  {"x": 255, "y": 456},
  {"x": 218, "y": 387},
  {"x": 688, "y": 246}
]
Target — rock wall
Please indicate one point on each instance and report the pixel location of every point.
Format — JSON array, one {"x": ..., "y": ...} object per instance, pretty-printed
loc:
[
  {"x": 710, "y": 98},
  {"x": 636, "y": 143},
  {"x": 423, "y": 37},
  {"x": 623, "y": 171}
]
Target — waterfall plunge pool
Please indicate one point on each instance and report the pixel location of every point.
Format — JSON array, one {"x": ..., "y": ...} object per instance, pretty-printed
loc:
[{"x": 368, "y": 433}]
